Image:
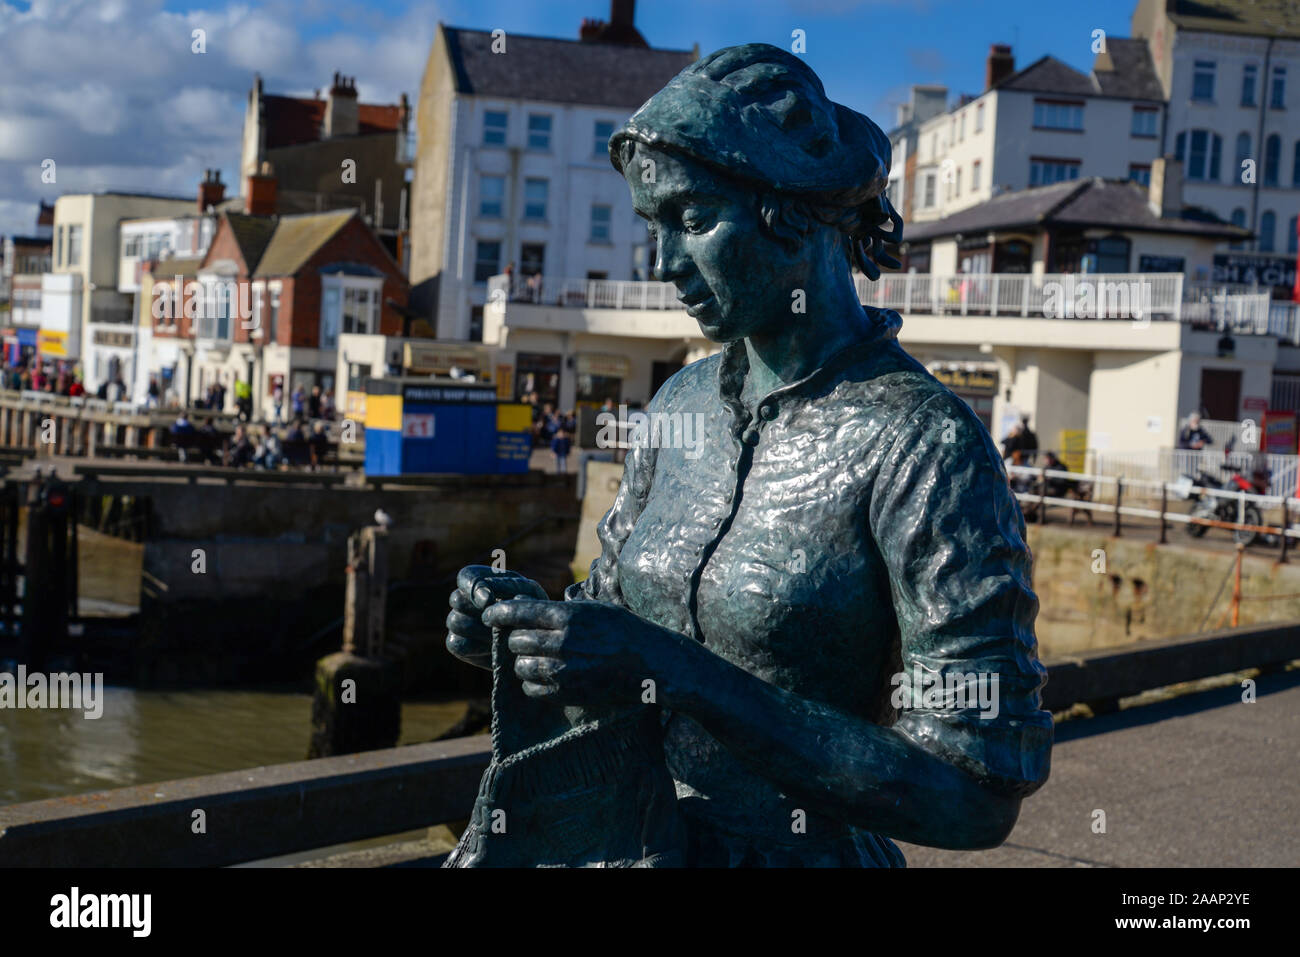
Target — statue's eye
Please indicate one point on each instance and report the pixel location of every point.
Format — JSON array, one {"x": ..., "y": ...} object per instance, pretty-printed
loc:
[{"x": 697, "y": 222}]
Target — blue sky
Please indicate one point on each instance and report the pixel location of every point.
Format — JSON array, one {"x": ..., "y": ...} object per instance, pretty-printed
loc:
[{"x": 110, "y": 89}]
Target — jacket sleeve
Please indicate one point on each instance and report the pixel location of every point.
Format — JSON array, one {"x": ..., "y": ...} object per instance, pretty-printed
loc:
[{"x": 952, "y": 538}]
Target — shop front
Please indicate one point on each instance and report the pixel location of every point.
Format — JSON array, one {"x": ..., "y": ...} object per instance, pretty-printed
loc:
[{"x": 975, "y": 383}]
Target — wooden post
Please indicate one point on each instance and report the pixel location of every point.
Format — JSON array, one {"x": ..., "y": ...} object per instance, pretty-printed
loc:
[
  {"x": 1236, "y": 587},
  {"x": 1164, "y": 507},
  {"x": 1286, "y": 523},
  {"x": 357, "y": 704},
  {"x": 1119, "y": 499}
]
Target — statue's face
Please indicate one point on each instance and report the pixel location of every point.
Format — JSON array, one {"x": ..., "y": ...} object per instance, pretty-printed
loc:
[{"x": 734, "y": 280}]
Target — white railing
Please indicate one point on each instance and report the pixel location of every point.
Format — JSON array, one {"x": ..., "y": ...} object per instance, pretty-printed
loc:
[
  {"x": 1098, "y": 492},
  {"x": 1169, "y": 465},
  {"x": 1131, "y": 296}
]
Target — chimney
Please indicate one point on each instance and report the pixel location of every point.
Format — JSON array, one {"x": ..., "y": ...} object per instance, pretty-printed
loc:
[
  {"x": 259, "y": 197},
  {"x": 341, "y": 114},
  {"x": 1165, "y": 195},
  {"x": 622, "y": 13},
  {"x": 211, "y": 190},
  {"x": 1001, "y": 64},
  {"x": 621, "y": 27}
]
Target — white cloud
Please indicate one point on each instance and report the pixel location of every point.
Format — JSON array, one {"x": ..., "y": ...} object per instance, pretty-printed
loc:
[{"x": 111, "y": 91}]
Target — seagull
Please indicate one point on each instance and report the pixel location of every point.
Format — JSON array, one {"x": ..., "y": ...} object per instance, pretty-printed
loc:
[{"x": 383, "y": 519}]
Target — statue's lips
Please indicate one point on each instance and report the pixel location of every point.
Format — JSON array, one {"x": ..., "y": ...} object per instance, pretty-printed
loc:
[{"x": 698, "y": 304}]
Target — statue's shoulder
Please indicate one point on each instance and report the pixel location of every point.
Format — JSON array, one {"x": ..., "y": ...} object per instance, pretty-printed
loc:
[
  {"x": 688, "y": 384},
  {"x": 888, "y": 384}
]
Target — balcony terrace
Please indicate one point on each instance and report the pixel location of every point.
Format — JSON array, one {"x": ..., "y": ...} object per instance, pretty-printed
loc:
[{"x": 1140, "y": 297}]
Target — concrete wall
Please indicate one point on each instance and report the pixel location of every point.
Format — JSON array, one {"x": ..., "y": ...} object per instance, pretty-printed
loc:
[
  {"x": 1134, "y": 401},
  {"x": 1144, "y": 590}
]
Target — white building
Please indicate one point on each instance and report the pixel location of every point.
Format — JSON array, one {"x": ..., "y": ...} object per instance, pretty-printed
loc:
[
  {"x": 84, "y": 316},
  {"x": 1230, "y": 70},
  {"x": 513, "y": 168},
  {"x": 1044, "y": 124}
]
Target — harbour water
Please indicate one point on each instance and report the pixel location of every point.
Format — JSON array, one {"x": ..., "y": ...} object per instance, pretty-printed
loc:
[{"x": 148, "y": 736}]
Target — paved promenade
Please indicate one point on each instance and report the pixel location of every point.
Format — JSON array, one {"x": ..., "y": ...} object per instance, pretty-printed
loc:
[{"x": 1198, "y": 780}]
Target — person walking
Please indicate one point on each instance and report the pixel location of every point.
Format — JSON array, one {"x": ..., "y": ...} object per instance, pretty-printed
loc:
[{"x": 561, "y": 446}]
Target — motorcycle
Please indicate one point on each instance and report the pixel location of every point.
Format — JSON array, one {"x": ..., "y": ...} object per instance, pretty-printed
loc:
[{"x": 1223, "y": 508}]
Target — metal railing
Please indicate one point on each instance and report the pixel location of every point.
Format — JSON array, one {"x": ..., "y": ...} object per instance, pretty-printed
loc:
[
  {"x": 1169, "y": 465},
  {"x": 1114, "y": 495},
  {"x": 1131, "y": 296}
]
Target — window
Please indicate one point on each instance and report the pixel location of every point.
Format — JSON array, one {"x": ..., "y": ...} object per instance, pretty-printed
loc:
[
  {"x": 1045, "y": 171},
  {"x": 491, "y": 196},
  {"x": 58, "y": 247},
  {"x": 957, "y": 183},
  {"x": 532, "y": 258},
  {"x": 214, "y": 317},
  {"x": 1202, "y": 160},
  {"x": 975, "y": 176},
  {"x": 494, "y": 128},
  {"x": 1249, "y": 76},
  {"x": 1112, "y": 254},
  {"x": 962, "y": 135},
  {"x": 1144, "y": 122},
  {"x": 539, "y": 131},
  {"x": 1139, "y": 173},
  {"x": 600, "y": 138},
  {"x": 1203, "y": 80},
  {"x": 1243, "y": 154},
  {"x": 131, "y": 248},
  {"x": 600, "y": 217},
  {"x": 1272, "y": 159},
  {"x": 1055, "y": 115},
  {"x": 273, "y": 319},
  {"x": 1295, "y": 166},
  {"x": 535, "y": 191},
  {"x": 929, "y": 190},
  {"x": 979, "y": 118},
  {"x": 1277, "y": 93},
  {"x": 487, "y": 260},
  {"x": 348, "y": 305},
  {"x": 360, "y": 310},
  {"x": 74, "y": 245},
  {"x": 1238, "y": 219},
  {"x": 1291, "y": 239},
  {"x": 1267, "y": 229}
]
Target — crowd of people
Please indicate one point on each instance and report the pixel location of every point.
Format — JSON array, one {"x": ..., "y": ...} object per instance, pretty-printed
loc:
[
  {"x": 266, "y": 445},
  {"x": 59, "y": 377},
  {"x": 552, "y": 429}
]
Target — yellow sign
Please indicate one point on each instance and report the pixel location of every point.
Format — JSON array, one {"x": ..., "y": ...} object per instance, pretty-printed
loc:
[
  {"x": 1074, "y": 448},
  {"x": 613, "y": 367},
  {"x": 505, "y": 381},
  {"x": 960, "y": 380},
  {"x": 437, "y": 357},
  {"x": 51, "y": 343}
]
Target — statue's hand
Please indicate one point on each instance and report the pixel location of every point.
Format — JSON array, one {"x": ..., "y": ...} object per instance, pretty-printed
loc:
[
  {"x": 477, "y": 587},
  {"x": 584, "y": 653}
]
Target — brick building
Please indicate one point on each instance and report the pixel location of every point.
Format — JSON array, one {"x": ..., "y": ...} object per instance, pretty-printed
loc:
[{"x": 268, "y": 302}]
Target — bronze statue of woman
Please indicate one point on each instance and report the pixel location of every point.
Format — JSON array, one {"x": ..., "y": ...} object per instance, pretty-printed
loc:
[{"x": 802, "y": 607}]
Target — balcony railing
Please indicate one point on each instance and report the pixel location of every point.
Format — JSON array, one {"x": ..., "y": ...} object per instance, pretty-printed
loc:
[{"x": 1130, "y": 296}]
